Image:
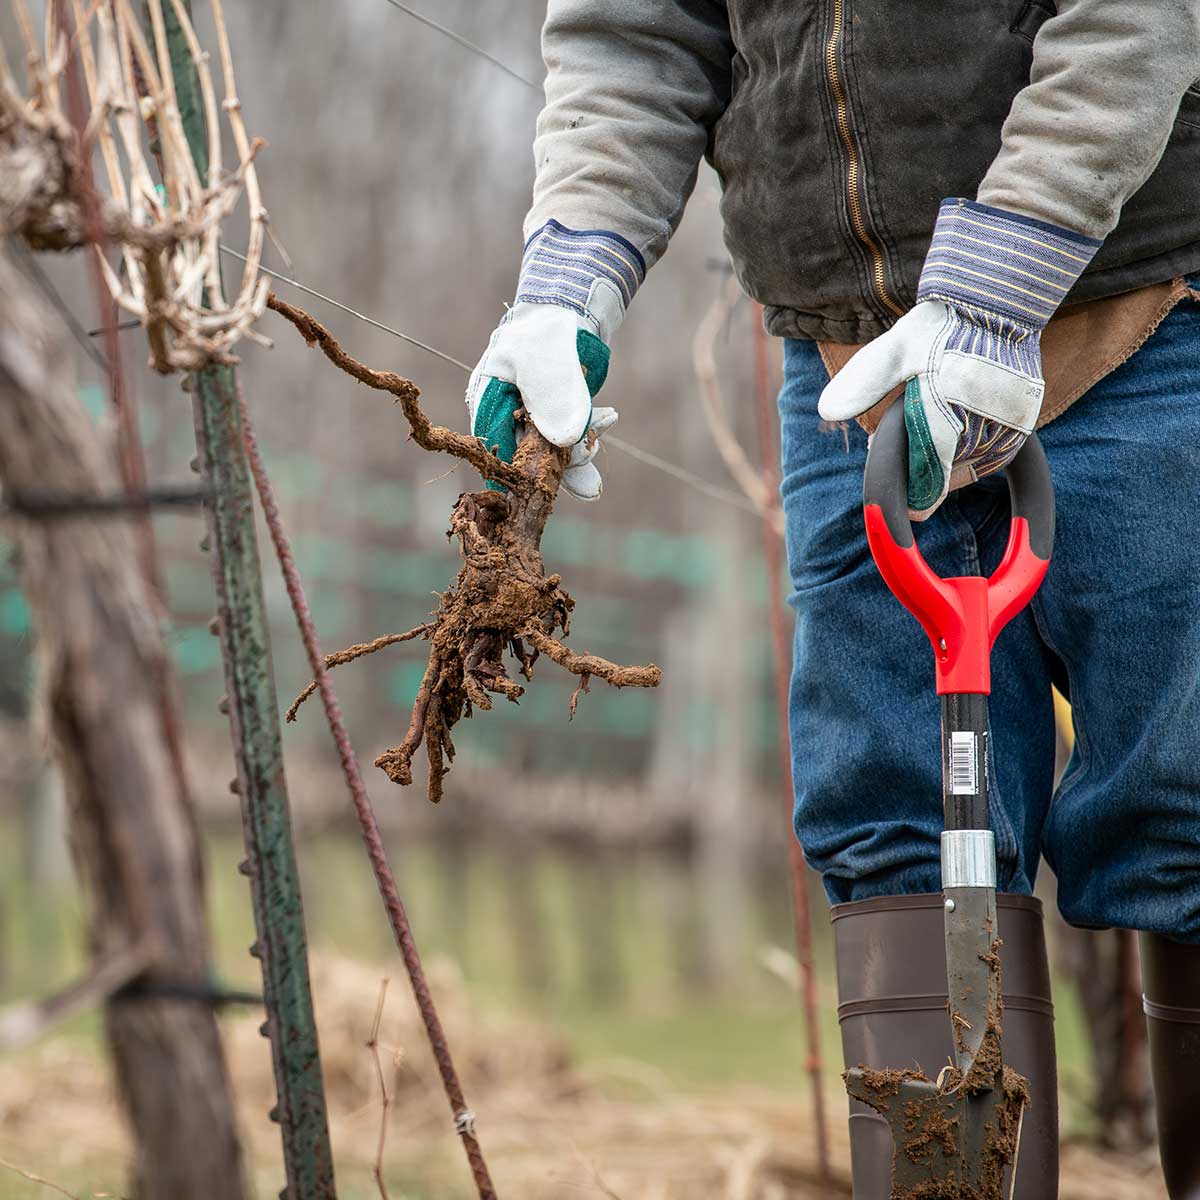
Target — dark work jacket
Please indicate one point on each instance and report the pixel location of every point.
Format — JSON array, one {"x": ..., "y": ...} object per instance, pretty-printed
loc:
[{"x": 825, "y": 108}]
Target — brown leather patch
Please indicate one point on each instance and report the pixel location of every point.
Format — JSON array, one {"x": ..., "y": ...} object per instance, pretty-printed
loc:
[{"x": 1081, "y": 345}]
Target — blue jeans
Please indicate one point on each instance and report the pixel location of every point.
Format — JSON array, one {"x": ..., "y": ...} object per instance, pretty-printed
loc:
[{"x": 1116, "y": 626}]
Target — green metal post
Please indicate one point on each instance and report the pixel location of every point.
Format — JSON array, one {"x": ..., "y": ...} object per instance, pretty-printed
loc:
[{"x": 254, "y": 720}]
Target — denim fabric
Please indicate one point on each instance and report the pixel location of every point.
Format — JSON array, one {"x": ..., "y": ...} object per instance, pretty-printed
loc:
[{"x": 1116, "y": 625}]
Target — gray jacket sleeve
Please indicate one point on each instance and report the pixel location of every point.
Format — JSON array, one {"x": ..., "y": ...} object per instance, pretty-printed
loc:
[
  {"x": 632, "y": 89},
  {"x": 1094, "y": 120}
]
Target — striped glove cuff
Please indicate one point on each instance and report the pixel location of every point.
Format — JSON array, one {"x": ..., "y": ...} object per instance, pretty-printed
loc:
[
  {"x": 997, "y": 264},
  {"x": 593, "y": 272}
]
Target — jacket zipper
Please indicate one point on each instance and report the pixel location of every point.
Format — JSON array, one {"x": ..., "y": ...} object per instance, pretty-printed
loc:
[{"x": 854, "y": 166}]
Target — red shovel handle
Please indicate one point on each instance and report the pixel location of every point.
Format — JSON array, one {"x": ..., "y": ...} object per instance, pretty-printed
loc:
[{"x": 962, "y": 616}]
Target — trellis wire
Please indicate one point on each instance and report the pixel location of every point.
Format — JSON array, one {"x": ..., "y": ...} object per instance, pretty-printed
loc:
[
  {"x": 712, "y": 490},
  {"x": 462, "y": 41}
]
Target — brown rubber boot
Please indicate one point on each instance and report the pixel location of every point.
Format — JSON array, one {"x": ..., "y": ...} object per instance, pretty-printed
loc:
[
  {"x": 891, "y": 968},
  {"x": 1171, "y": 998}
]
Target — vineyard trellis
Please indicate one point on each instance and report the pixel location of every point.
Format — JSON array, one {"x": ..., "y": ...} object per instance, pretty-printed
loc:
[
  {"x": 155, "y": 93},
  {"x": 227, "y": 440}
]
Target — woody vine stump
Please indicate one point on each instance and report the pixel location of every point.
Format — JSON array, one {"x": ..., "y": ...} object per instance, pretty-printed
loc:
[{"x": 502, "y": 599}]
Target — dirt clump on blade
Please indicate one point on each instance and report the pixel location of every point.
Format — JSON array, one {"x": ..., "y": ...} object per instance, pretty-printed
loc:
[
  {"x": 885, "y": 1084},
  {"x": 502, "y": 601},
  {"x": 935, "y": 1131}
]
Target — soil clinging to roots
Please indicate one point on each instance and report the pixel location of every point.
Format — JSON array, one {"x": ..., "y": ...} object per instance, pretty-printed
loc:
[{"x": 502, "y": 600}]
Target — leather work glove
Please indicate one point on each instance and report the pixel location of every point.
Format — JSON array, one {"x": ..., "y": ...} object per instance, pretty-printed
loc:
[
  {"x": 969, "y": 351},
  {"x": 550, "y": 352}
]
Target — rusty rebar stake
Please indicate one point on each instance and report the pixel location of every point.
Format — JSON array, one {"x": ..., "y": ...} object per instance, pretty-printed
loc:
[{"x": 464, "y": 1118}]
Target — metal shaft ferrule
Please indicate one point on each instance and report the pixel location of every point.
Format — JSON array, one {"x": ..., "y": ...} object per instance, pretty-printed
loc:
[{"x": 968, "y": 858}]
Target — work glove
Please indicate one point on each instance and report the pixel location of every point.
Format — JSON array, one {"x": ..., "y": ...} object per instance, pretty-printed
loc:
[
  {"x": 969, "y": 352},
  {"x": 550, "y": 352}
]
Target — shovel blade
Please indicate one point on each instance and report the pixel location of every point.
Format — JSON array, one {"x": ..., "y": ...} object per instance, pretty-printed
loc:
[{"x": 947, "y": 1145}]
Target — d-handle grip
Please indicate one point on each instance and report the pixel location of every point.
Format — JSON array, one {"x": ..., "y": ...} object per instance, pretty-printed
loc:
[{"x": 961, "y": 616}]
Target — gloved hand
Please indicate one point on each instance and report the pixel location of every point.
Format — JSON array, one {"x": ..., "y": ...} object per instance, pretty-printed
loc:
[
  {"x": 969, "y": 351},
  {"x": 550, "y": 353}
]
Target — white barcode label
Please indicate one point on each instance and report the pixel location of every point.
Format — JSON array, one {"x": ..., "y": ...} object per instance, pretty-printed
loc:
[{"x": 964, "y": 771}]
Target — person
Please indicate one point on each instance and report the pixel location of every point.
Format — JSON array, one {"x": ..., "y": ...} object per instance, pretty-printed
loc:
[{"x": 928, "y": 197}]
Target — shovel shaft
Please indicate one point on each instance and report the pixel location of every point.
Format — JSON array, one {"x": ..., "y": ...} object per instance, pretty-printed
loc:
[
  {"x": 968, "y": 876},
  {"x": 955, "y": 1134},
  {"x": 965, "y": 760}
]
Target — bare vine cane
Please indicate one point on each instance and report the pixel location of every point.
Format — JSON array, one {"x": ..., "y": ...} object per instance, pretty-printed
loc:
[
  {"x": 502, "y": 599},
  {"x": 167, "y": 228}
]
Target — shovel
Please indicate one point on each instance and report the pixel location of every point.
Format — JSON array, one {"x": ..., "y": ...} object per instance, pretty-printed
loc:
[{"x": 956, "y": 1135}]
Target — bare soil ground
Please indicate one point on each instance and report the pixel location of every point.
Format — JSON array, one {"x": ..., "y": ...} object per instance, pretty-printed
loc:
[{"x": 550, "y": 1128}]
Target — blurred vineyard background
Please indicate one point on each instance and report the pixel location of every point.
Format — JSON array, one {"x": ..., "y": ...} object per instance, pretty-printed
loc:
[{"x": 605, "y": 901}]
